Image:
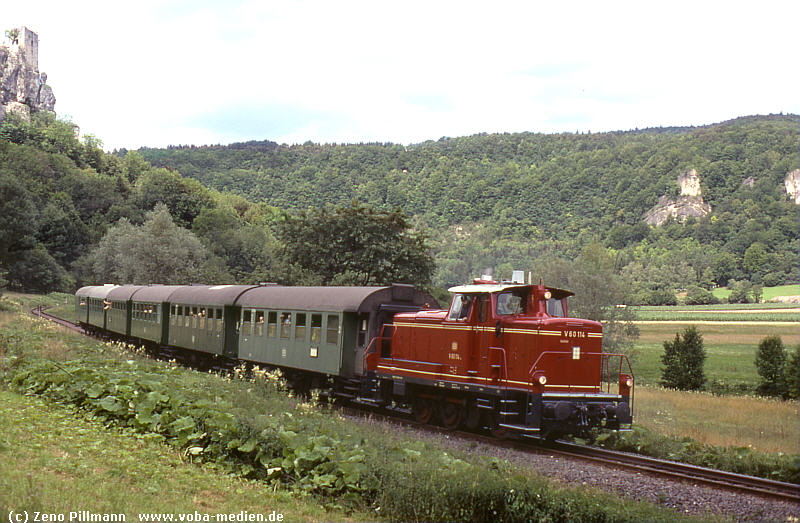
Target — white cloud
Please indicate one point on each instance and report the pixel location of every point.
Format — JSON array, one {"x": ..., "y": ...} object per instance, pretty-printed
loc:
[{"x": 158, "y": 73}]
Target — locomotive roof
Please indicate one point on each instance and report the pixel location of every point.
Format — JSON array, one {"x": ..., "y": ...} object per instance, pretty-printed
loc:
[
  {"x": 489, "y": 288},
  {"x": 95, "y": 291},
  {"x": 351, "y": 299}
]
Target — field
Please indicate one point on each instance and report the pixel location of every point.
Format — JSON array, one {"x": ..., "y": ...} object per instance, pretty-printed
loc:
[
  {"x": 730, "y": 349},
  {"x": 770, "y": 293},
  {"x": 725, "y": 421}
]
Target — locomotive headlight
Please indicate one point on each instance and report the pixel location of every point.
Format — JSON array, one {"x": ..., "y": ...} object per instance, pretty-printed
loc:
[
  {"x": 548, "y": 295},
  {"x": 629, "y": 383},
  {"x": 542, "y": 379}
]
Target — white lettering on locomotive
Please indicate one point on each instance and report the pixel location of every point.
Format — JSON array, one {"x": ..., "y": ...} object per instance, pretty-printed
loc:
[{"x": 573, "y": 334}]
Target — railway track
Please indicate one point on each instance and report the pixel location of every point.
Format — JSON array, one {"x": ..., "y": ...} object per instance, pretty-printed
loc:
[
  {"x": 683, "y": 471},
  {"x": 644, "y": 464}
]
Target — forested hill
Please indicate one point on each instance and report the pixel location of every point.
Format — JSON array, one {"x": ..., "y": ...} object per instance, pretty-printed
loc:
[{"x": 528, "y": 185}]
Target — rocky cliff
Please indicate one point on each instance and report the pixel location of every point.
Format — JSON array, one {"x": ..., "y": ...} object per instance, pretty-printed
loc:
[
  {"x": 792, "y": 185},
  {"x": 23, "y": 89},
  {"x": 690, "y": 202}
]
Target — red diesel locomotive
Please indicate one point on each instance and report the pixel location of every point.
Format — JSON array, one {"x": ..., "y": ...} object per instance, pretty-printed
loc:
[{"x": 506, "y": 356}]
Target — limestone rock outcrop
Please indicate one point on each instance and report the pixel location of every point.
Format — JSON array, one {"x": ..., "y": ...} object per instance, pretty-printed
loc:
[
  {"x": 23, "y": 89},
  {"x": 690, "y": 202},
  {"x": 792, "y": 185}
]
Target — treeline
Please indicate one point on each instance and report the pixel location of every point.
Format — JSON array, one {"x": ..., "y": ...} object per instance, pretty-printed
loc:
[
  {"x": 498, "y": 202},
  {"x": 71, "y": 214},
  {"x": 504, "y": 200}
]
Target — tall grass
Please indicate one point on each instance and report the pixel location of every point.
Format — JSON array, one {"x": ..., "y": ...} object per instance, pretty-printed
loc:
[{"x": 763, "y": 424}]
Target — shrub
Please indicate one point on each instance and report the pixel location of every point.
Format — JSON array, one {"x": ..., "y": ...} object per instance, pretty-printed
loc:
[
  {"x": 791, "y": 375},
  {"x": 683, "y": 361},
  {"x": 770, "y": 363},
  {"x": 656, "y": 297},
  {"x": 699, "y": 296}
]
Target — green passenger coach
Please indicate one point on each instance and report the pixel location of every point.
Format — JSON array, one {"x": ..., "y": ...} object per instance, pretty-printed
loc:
[
  {"x": 323, "y": 330},
  {"x": 203, "y": 318}
]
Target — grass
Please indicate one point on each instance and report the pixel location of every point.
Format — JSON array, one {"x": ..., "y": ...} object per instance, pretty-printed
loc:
[
  {"x": 769, "y": 292},
  {"x": 54, "y": 461},
  {"x": 739, "y": 421}
]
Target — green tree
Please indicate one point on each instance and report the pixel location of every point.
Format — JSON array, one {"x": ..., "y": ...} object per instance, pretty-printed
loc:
[
  {"x": 355, "y": 245},
  {"x": 791, "y": 374},
  {"x": 599, "y": 294},
  {"x": 158, "y": 251},
  {"x": 770, "y": 363},
  {"x": 696, "y": 295},
  {"x": 184, "y": 197},
  {"x": 34, "y": 270},
  {"x": 18, "y": 219},
  {"x": 740, "y": 292},
  {"x": 683, "y": 361}
]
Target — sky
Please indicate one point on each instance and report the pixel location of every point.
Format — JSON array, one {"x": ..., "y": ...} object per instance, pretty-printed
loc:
[{"x": 158, "y": 73}]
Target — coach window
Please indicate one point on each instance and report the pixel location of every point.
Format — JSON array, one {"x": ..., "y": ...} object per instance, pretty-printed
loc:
[
  {"x": 220, "y": 323},
  {"x": 300, "y": 326},
  {"x": 316, "y": 328},
  {"x": 272, "y": 324},
  {"x": 332, "y": 330},
  {"x": 247, "y": 318},
  {"x": 157, "y": 315},
  {"x": 363, "y": 323},
  {"x": 286, "y": 325},
  {"x": 259, "y": 323}
]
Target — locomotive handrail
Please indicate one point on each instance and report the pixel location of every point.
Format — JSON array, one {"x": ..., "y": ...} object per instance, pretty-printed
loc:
[{"x": 603, "y": 364}]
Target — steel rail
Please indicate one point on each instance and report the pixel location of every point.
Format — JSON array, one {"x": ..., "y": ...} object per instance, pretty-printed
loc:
[{"x": 684, "y": 471}]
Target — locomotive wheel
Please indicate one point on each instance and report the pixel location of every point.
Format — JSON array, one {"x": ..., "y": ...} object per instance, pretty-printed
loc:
[
  {"x": 452, "y": 414},
  {"x": 423, "y": 410},
  {"x": 472, "y": 416}
]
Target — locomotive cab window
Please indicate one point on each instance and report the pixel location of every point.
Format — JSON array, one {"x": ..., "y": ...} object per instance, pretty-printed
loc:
[
  {"x": 461, "y": 307},
  {"x": 555, "y": 308},
  {"x": 509, "y": 303}
]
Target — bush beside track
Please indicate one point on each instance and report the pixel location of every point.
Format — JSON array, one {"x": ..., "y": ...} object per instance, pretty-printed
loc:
[{"x": 251, "y": 427}]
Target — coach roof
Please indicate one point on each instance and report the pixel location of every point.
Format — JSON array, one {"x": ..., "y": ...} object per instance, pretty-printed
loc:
[
  {"x": 212, "y": 295},
  {"x": 96, "y": 291},
  {"x": 154, "y": 293},
  {"x": 123, "y": 293},
  {"x": 349, "y": 299}
]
